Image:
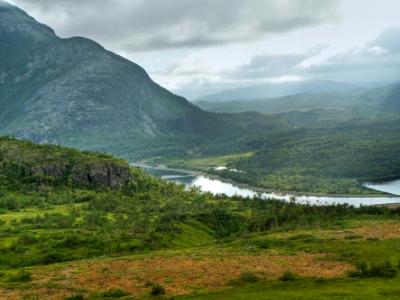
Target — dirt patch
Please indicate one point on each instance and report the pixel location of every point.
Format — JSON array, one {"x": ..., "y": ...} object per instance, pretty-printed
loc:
[
  {"x": 370, "y": 230},
  {"x": 381, "y": 231},
  {"x": 40, "y": 293},
  {"x": 366, "y": 230},
  {"x": 179, "y": 275}
]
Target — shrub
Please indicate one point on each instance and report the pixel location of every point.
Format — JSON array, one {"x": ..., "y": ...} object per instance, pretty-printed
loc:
[
  {"x": 53, "y": 256},
  {"x": 287, "y": 276},
  {"x": 76, "y": 297},
  {"x": 157, "y": 290},
  {"x": 115, "y": 293},
  {"x": 248, "y": 277},
  {"x": 320, "y": 280},
  {"x": 383, "y": 270},
  {"x": 365, "y": 270},
  {"x": 21, "y": 276},
  {"x": 27, "y": 239}
]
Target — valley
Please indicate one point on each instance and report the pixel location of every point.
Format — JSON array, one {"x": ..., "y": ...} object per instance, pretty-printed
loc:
[
  {"x": 381, "y": 193},
  {"x": 277, "y": 183},
  {"x": 81, "y": 225},
  {"x": 325, "y": 152},
  {"x": 303, "y": 143}
]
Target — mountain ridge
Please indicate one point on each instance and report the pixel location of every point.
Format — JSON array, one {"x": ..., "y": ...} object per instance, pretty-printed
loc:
[
  {"x": 275, "y": 90},
  {"x": 384, "y": 98},
  {"x": 76, "y": 93}
]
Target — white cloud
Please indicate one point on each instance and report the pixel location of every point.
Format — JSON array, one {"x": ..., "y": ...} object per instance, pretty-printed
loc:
[{"x": 376, "y": 50}]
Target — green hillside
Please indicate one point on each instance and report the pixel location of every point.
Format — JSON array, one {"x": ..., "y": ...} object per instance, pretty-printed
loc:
[
  {"x": 75, "y": 93},
  {"x": 68, "y": 232},
  {"x": 322, "y": 152}
]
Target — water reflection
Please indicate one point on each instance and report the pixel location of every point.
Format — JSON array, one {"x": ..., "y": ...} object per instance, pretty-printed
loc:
[{"x": 217, "y": 186}]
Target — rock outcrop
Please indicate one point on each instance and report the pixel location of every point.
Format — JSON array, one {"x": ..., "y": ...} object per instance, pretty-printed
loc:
[{"x": 52, "y": 164}]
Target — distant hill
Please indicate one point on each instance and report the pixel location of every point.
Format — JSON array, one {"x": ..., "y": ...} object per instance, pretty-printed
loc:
[
  {"x": 270, "y": 90},
  {"x": 383, "y": 98}
]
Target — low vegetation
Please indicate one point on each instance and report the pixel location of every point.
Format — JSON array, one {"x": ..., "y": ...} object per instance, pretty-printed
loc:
[{"x": 64, "y": 239}]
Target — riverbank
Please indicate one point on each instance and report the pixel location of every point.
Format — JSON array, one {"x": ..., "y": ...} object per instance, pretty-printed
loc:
[{"x": 261, "y": 190}]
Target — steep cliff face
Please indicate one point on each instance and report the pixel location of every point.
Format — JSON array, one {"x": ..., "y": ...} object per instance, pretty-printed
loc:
[
  {"x": 101, "y": 174},
  {"x": 27, "y": 162}
]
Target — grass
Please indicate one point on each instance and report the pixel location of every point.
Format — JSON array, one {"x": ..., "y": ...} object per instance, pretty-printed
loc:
[
  {"x": 150, "y": 236},
  {"x": 209, "y": 162},
  {"x": 310, "y": 289},
  {"x": 193, "y": 234},
  {"x": 292, "y": 264},
  {"x": 33, "y": 212}
]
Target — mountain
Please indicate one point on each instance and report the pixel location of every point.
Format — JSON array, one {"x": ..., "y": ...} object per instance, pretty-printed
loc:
[
  {"x": 382, "y": 99},
  {"x": 74, "y": 92},
  {"x": 270, "y": 90}
]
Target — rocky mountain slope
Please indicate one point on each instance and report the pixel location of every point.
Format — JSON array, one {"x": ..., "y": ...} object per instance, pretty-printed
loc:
[{"x": 76, "y": 93}]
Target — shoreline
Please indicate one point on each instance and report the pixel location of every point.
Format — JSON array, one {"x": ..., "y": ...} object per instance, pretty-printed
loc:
[{"x": 192, "y": 172}]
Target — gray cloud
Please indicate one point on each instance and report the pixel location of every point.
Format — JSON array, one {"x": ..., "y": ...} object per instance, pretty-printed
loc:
[
  {"x": 274, "y": 65},
  {"x": 377, "y": 61},
  {"x": 389, "y": 40},
  {"x": 135, "y": 25}
]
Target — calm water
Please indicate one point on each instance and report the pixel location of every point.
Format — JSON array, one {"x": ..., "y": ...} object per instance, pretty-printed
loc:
[
  {"x": 217, "y": 186},
  {"x": 392, "y": 187}
]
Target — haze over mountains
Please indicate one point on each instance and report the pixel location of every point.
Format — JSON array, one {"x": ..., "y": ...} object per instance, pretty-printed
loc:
[
  {"x": 382, "y": 99},
  {"x": 274, "y": 90}
]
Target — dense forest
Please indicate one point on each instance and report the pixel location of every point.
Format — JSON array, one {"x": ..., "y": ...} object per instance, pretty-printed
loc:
[{"x": 319, "y": 151}]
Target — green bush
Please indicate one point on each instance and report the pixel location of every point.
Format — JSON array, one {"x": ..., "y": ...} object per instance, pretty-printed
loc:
[
  {"x": 287, "y": 276},
  {"x": 365, "y": 270},
  {"x": 157, "y": 290},
  {"x": 248, "y": 277},
  {"x": 53, "y": 256},
  {"x": 115, "y": 293},
  {"x": 22, "y": 276},
  {"x": 76, "y": 297}
]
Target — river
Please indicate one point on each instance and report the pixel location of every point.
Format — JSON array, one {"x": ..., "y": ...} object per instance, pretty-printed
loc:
[{"x": 217, "y": 186}]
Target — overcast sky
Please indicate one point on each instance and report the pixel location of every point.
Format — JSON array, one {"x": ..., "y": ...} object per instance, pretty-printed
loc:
[{"x": 197, "y": 47}]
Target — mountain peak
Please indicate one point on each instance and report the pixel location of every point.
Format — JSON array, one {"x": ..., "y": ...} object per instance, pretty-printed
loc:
[
  {"x": 4, "y": 3},
  {"x": 17, "y": 23},
  {"x": 74, "y": 92}
]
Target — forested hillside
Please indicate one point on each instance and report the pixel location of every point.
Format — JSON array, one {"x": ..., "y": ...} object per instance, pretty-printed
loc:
[
  {"x": 79, "y": 225},
  {"x": 73, "y": 92},
  {"x": 323, "y": 152}
]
